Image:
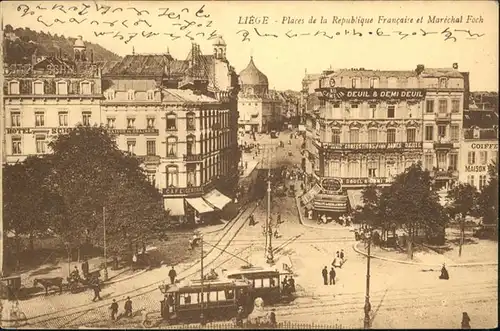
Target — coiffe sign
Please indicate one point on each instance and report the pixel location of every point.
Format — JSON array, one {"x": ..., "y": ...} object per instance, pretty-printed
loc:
[{"x": 400, "y": 94}]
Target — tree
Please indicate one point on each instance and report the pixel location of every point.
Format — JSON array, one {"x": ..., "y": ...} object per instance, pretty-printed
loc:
[
  {"x": 414, "y": 206},
  {"x": 488, "y": 197}
]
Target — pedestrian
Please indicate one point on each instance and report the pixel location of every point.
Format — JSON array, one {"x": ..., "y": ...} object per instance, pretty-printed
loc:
[
  {"x": 291, "y": 283},
  {"x": 444, "y": 273},
  {"x": 284, "y": 283},
  {"x": 342, "y": 254},
  {"x": 272, "y": 318},
  {"x": 332, "y": 276},
  {"x": 239, "y": 317},
  {"x": 114, "y": 310},
  {"x": 128, "y": 307},
  {"x": 325, "y": 275},
  {"x": 97, "y": 290},
  {"x": 85, "y": 268},
  {"x": 465, "y": 321},
  {"x": 172, "y": 274}
]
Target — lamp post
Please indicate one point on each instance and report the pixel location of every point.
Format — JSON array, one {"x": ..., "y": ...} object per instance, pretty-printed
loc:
[
  {"x": 105, "y": 250},
  {"x": 269, "y": 255},
  {"x": 202, "y": 317},
  {"x": 368, "y": 306}
]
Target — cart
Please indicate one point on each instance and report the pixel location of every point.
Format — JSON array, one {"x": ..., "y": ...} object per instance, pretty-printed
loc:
[{"x": 11, "y": 287}]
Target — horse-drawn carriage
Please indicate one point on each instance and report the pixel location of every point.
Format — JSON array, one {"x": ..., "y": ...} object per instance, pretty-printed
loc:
[
  {"x": 78, "y": 284},
  {"x": 11, "y": 287}
]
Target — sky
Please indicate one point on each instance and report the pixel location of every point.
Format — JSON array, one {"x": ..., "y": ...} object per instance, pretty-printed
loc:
[{"x": 299, "y": 44}]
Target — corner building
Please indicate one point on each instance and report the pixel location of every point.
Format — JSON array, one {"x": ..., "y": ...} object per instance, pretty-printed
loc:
[{"x": 367, "y": 129}]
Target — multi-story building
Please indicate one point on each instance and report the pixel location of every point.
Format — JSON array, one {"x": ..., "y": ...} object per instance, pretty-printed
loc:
[
  {"x": 479, "y": 147},
  {"x": 367, "y": 129},
  {"x": 45, "y": 98},
  {"x": 308, "y": 97},
  {"x": 258, "y": 110}
]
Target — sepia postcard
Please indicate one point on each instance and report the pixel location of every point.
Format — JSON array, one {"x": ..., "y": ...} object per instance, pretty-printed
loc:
[{"x": 249, "y": 165}]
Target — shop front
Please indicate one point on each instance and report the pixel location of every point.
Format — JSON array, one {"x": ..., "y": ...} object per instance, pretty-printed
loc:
[{"x": 199, "y": 210}]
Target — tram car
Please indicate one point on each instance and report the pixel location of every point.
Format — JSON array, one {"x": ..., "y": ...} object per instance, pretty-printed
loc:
[
  {"x": 182, "y": 303},
  {"x": 266, "y": 283}
]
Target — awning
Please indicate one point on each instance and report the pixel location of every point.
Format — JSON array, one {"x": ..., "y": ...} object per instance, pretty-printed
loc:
[
  {"x": 174, "y": 205},
  {"x": 309, "y": 196},
  {"x": 333, "y": 203},
  {"x": 355, "y": 198},
  {"x": 200, "y": 205},
  {"x": 217, "y": 199}
]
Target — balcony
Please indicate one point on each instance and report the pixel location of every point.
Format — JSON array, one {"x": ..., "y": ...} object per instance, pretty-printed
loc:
[
  {"x": 193, "y": 158},
  {"x": 149, "y": 159},
  {"x": 443, "y": 117},
  {"x": 444, "y": 174},
  {"x": 443, "y": 144}
]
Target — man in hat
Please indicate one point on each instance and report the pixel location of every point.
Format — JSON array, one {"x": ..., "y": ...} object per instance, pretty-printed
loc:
[
  {"x": 128, "y": 307},
  {"x": 114, "y": 310},
  {"x": 172, "y": 274},
  {"x": 325, "y": 275}
]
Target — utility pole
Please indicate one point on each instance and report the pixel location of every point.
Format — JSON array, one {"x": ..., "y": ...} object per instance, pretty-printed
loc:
[
  {"x": 462, "y": 234},
  {"x": 368, "y": 306},
  {"x": 269, "y": 255},
  {"x": 202, "y": 317},
  {"x": 105, "y": 252},
  {"x": 266, "y": 228}
]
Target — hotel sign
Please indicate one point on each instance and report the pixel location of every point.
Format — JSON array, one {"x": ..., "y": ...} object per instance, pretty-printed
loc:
[
  {"x": 372, "y": 93},
  {"x": 68, "y": 130},
  {"x": 368, "y": 146}
]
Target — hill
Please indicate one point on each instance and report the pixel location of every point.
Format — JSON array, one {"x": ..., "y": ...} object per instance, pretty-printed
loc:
[{"x": 20, "y": 44}]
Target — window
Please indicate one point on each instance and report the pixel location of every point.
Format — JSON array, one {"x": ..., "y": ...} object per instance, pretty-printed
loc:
[
  {"x": 455, "y": 132},
  {"x": 453, "y": 162},
  {"x": 171, "y": 147},
  {"x": 151, "y": 147},
  {"x": 16, "y": 146},
  {"x": 151, "y": 95},
  {"x": 130, "y": 95},
  {"x": 355, "y": 83},
  {"x": 441, "y": 131},
  {"x": 110, "y": 121},
  {"x": 86, "y": 118},
  {"x": 410, "y": 135},
  {"x": 372, "y": 135},
  {"x": 39, "y": 119},
  {"x": 482, "y": 181},
  {"x": 38, "y": 88},
  {"x": 470, "y": 180},
  {"x": 441, "y": 161},
  {"x": 172, "y": 176},
  {"x": 471, "y": 158},
  {"x": 336, "y": 136},
  {"x": 354, "y": 105},
  {"x": 336, "y": 105},
  {"x": 354, "y": 136},
  {"x": 14, "y": 87},
  {"x": 392, "y": 82},
  {"x": 190, "y": 145},
  {"x": 455, "y": 106},
  {"x": 62, "y": 88},
  {"x": 429, "y": 106},
  {"x": 110, "y": 94},
  {"x": 131, "y": 146},
  {"x": 191, "y": 174},
  {"x": 63, "y": 118},
  {"x": 372, "y": 169},
  {"x": 40, "y": 144},
  {"x": 443, "y": 106},
  {"x": 390, "y": 111},
  {"x": 354, "y": 169},
  {"x": 443, "y": 82},
  {"x": 483, "y": 157},
  {"x": 373, "y": 82},
  {"x": 171, "y": 122},
  {"x": 15, "y": 119},
  {"x": 151, "y": 178},
  {"x": 429, "y": 133},
  {"x": 428, "y": 161},
  {"x": 190, "y": 124},
  {"x": 150, "y": 122},
  {"x": 130, "y": 123},
  {"x": 86, "y": 88},
  {"x": 391, "y": 135}
]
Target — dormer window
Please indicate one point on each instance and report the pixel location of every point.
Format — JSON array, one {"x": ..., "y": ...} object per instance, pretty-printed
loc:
[
  {"x": 373, "y": 82},
  {"x": 38, "y": 87},
  {"x": 356, "y": 82},
  {"x": 476, "y": 132},
  {"x": 14, "y": 87},
  {"x": 443, "y": 82},
  {"x": 85, "y": 88},
  {"x": 131, "y": 95},
  {"x": 110, "y": 94},
  {"x": 151, "y": 95},
  {"x": 62, "y": 88}
]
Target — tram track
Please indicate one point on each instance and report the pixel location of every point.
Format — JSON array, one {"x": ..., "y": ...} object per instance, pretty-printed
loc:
[{"x": 227, "y": 236}]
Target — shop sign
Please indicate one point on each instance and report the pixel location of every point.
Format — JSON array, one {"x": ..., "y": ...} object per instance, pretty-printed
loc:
[
  {"x": 68, "y": 130},
  {"x": 380, "y": 146},
  {"x": 484, "y": 146},
  {"x": 331, "y": 184},
  {"x": 364, "y": 181},
  {"x": 372, "y": 93},
  {"x": 183, "y": 190},
  {"x": 475, "y": 168}
]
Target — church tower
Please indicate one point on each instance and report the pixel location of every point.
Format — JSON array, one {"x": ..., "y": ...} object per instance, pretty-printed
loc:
[
  {"x": 220, "y": 49},
  {"x": 79, "y": 50}
]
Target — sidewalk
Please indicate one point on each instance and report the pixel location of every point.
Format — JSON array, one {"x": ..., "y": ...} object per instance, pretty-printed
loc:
[{"x": 425, "y": 259}]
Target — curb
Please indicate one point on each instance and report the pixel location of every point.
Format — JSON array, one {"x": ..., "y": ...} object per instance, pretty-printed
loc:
[
  {"x": 301, "y": 219},
  {"x": 456, "y": 265}
]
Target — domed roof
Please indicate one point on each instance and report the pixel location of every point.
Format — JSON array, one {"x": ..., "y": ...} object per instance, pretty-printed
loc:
[
  {"x": 219, "y": 41},
  {"x": 252, "y": 76},
  {"x": 79, "y": 43}
]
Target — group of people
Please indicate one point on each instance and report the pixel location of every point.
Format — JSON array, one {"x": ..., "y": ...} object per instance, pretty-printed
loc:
[
  {"x": 288, "y": 285},
  {"x": 330, "y": 276},
  {"x": 127, "y": 307}
]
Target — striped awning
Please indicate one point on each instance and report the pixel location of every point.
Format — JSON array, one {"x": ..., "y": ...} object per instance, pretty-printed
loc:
[
  {"x": 333, "y": 203},
  {"x": 309, "y": 196},
  {"x": 200, "y": 205},
  {"x": 217, "y": 199}
]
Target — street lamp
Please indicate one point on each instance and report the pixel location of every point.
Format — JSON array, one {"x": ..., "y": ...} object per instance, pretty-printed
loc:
[
  {"x": 105, "y": 250},
  {"x": 202, "y": 317},
  {"x": 269, "y": 255},
  {"x": 368, "y": 306}
]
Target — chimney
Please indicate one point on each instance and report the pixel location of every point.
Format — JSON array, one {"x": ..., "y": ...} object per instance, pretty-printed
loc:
[
  {"x": 420, "y": 69},
  {"x": 455, "y": 66}
]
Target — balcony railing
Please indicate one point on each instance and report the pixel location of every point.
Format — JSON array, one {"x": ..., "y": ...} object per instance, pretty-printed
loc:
[
  {"x": 443, "y": 116},
  {"x": 443, "y": 144},
  {"x": 373, "y": 146},
  {"x": 193, "y": 158},
  {"x": 441, "y": 173}
]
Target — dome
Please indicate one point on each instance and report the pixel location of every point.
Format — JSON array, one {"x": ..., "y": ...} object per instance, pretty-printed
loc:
[
  {"x": 79, "y": 43},
  {"x": 219, "y": 41},
  {"x": 252, "y": 76}
]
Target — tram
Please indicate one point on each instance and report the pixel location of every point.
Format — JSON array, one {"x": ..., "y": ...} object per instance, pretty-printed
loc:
[
  {"x": 266, "y": 283},
  {"x": 216, "y": 299}
]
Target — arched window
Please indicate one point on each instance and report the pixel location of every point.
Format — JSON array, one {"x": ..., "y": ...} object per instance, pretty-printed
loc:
[
  {"x": 190, "y": 145},
  {"x": 443, "y": 82},
  {"x": 374, "y": 82},
  {"x": 171, "y": 146},
  {"x": 62, "y": 88},
  {"x": 172, "y": 176}
]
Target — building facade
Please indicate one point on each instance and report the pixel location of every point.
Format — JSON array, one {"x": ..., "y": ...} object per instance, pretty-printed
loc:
[
  {"x": 258, "y": 110},
  {"x": 368, "y": 128},
  {"x": 479, "y": 146}
]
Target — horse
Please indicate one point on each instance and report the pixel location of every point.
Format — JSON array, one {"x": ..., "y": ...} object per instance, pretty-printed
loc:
[{"x": 49, "y": 282}]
